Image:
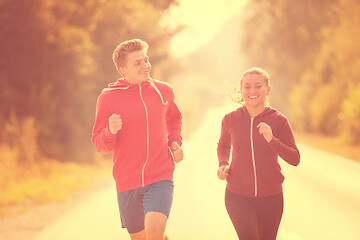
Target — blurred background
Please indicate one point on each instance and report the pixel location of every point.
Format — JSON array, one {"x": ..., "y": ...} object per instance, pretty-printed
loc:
[{"x": 55, "y": 58}]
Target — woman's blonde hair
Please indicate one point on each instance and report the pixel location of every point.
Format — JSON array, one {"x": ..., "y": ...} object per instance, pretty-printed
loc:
[{"x": 123, "y": 49}]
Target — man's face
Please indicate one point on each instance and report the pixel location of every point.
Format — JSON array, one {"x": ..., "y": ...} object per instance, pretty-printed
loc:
[{"x": 137, "y": 68}]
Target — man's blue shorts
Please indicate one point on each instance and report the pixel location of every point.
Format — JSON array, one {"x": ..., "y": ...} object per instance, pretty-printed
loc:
[{"x": 134, "y": 204}]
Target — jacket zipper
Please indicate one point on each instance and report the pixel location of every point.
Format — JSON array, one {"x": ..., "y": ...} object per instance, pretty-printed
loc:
[
  {"x": 252, "y": 154},
  {"x": 147, "y": 137}
]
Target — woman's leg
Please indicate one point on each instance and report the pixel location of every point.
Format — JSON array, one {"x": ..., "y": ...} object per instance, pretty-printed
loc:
[
  {"x": 270, "y": 210},
  {"x": 243, "y": 215}
]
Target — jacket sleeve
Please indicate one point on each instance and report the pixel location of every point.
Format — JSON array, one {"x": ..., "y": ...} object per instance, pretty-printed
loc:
[
  {"x": 224, "y": 145},
  {"x": 102, "y": 138},
  {"x": 285, "y": 145},
  {"x": 173, "y": 120}
]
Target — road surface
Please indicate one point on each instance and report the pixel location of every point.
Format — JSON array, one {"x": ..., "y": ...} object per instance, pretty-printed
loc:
[{"x": 322, "y": 198}]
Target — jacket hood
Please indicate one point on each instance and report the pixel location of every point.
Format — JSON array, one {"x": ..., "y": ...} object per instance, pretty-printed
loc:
[
  {"x": 122, "y": 84},
  {"x": 119, "y": 84},
  {"x": 266, "y": 111}
]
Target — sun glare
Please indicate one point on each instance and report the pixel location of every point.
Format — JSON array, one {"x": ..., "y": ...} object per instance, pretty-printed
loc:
[{"x": 202, "y": 21}]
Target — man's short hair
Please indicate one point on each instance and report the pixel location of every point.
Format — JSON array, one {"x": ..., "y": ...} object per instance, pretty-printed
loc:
[{"x": 123, "y": 49}]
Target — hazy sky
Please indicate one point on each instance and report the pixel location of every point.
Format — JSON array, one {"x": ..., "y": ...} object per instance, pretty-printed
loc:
[{"x": 204, "y": 20}]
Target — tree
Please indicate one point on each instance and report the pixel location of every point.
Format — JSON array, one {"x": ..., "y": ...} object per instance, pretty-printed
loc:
[
  {"x": 56, "y": 57},
  {"x": 333, "y": 103},
  {"x": 282, "y": 37}
]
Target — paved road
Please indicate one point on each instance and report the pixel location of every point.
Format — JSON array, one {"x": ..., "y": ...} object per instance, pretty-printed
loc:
[{"x": 322, "y": 198}]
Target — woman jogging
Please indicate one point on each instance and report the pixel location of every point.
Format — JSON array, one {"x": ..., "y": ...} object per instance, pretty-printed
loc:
[{"x": 256, "y": 134}]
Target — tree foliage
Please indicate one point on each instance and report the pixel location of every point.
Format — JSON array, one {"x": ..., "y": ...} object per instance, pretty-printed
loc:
[
  {"x": 310, "y": 49},
  {"x": 336, "y": 76},
  {"x": 282, "y": 36},
  {"x": 55, "y": 58}
]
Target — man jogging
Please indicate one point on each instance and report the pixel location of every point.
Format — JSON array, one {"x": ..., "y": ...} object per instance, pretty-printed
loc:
[{"x": 138, "y": 120}]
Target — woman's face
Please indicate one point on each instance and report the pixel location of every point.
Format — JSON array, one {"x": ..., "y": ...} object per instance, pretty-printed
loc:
[{"x": 254, "y": 90}]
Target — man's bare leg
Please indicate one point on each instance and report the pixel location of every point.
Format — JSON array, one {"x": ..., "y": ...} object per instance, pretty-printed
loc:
[
  {"x": 155, "y": 224},
  {"x": 138, "y": 236}
]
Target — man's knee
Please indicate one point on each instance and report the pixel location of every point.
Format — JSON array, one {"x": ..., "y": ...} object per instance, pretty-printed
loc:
[
  {"x": 138, "y": 236},
  {"x": 155, "y": 224}
]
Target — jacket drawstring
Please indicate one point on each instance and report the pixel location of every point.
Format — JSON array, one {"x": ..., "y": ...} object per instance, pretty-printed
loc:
[{"x": 158, "y": 91}]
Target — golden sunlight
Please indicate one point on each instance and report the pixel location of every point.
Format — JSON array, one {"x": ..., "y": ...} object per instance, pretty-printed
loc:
[
  {"x": 54, "y": 185},
  {"x": 202, "y": 20}
]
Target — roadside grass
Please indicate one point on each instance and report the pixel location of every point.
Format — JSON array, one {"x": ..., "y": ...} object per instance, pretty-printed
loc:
[
  {"x": 25, "y": 184},
  {"x": 330, "y": 144}
]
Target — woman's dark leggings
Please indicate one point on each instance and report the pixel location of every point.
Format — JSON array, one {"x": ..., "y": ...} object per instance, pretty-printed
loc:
[{"x": 255, "y": 218}]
